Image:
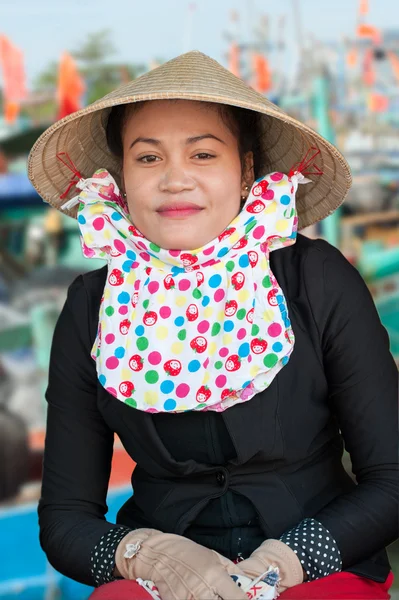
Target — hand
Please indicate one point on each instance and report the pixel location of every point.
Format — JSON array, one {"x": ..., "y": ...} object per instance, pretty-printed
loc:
[
  {"x": 180, "y": 568},
  {"x": 276, "y": 554}
]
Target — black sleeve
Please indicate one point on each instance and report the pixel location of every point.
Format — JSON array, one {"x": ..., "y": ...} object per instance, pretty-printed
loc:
[
  {"x": 363, "y": 394},
  {"x": 78, "y": 448}
]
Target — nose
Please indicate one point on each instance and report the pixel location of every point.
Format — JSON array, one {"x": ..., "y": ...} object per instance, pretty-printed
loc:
[{"x": 175, "y": 180}]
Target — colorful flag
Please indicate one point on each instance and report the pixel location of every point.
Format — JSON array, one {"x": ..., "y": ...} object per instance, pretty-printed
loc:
[
  {"x": 71, "y": 87},
  {"x": 262, "y": 74},
  {"x": 14, "y": 87},
  {"x": 234, "y": 59}
]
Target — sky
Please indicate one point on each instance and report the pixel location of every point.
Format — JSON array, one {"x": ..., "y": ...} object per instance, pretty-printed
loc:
[{"x": 145, "y": 29}]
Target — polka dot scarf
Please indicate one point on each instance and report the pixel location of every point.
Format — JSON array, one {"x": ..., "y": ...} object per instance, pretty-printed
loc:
[{"x": 190, "y": 330}]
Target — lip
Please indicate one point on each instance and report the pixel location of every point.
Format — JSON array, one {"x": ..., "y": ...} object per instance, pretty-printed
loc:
[{"x": 179, "y": 209}]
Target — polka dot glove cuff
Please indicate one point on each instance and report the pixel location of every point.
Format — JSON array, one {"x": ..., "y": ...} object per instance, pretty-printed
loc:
[
  {"x": 102, "y": 560},
  {"x": 315, "y": 548}
]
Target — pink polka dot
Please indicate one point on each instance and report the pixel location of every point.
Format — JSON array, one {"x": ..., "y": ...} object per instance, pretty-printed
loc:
[
  {"x": 98, "y": 223},
  {"x": 135, "y": 264},
  {"x": 259, "y": 232},
  {"x": 184, "y": 284},
  {"x": 154, "y": 358},
  {"x": 241, "y": 333},
  {"x": 205, "y": 363},
  {"x": 151, "y": 410},
  {"x": 223, "y": 352},
  {"x": 120, "y": 246},
  {"x": 208, "y": 251},
  {"x": 112, "y": 362},
  {"x": 153, "y": 287},
  {"x": 203, "y": 326},
  {"x": 137, "y": 284},
  {"x": 182, "y": 390},
  {"x": 255, "y": 286},
  {"x": 109, "y": 338},
  {"x": 249, "y": 358},
  {"x": 174, "y": 252},
  {"x": 123, "y": 310},
  {"x": 276, "y": 177},
  {"x": 274, "y": 330},
  {"x": 268, "y": 195},
  {"x": 219, "y": 295},
  {"x": 221, "y": 381},
  {"x": 112, "y": 391},
  {"x": 141, "y": 245},
  {"x": 145, "y": 256},
  {"x": 165, "y": 312}
]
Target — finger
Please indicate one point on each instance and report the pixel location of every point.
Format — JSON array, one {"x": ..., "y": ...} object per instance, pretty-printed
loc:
[{"x": 228, "y": 590}]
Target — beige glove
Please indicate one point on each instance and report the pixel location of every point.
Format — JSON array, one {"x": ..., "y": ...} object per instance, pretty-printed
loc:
[
  {"x": 180, "y": 568},
  {"x": 276, "y": 554}
]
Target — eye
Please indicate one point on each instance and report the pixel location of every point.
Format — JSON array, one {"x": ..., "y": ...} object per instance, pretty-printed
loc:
[
  {"x": 149, "y": 158},
  {"x": 204, "y": 155}
]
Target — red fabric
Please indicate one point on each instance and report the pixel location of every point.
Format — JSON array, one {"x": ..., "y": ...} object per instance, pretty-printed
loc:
[{"x": 340, "y": 586}]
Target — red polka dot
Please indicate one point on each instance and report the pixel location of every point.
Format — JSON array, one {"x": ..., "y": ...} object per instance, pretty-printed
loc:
[
  {"x": 109, "y": 338},
  {"x": 154, "y": 358},
  {"x": 120, "y": 246},
  {"x": 219, "y": 295},
  {"x": 153, "y": 287},
  {"x": 184, "y": 284},
  {"x": 241, "y": 333},
  {"x": 98, "y": 223},
  {"x": 123, "y": 310},
  {"x": 182, "y": 390},
  {"x": 276, "y": 176},
  {"x": 221, "y": 381},
  {"x": 223, "y": 352},
  {"x": 259, "y": 232},
  {"x": 274, "y": 330},
  {"x": 165, "y": 312},
  {"x": 112, "y": 362}
]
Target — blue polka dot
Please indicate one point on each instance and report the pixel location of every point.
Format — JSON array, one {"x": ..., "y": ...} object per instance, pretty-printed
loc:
[
  {"x": 177, "y": 270},
  {"x": 123, "y": 298},
  {"x": 193, "y": 366},
  {"x": 179, "y": 321},
  {"x": 167, "y": 387},
  {"x": 139, "y": 330},
  {"x": 280, "y": 299},
  {"x": 246, "y": 384},
  {"x": 81, "y": 219},
  {"x": 244, "y": 350},
  {"x": 277, "y": 347},
  {"x": 215, "y": 281},
  {"x": 116, "y": 216},
  {"x": 228, "y": 326},
  {"x": 284, "y": 360},
  {"x": 205, "y": 300},
  {"x": 119, "y": 352},
  {"x": 249, "y": 220},
  {"x": 127, "y": 265},
  {"x": 222, "y": 252},
  {"x": 130, "y": 254},
  {"x": 285, "y": 199},
  {"x": 102, "y": 379},
  {"x": 170, "y": 404},
  {"x": 244, "y": 261},
  {"x": 147, "y": 281}
]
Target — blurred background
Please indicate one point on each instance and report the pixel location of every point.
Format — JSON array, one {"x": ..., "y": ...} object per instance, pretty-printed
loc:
[{"x": 333, "y": 65}]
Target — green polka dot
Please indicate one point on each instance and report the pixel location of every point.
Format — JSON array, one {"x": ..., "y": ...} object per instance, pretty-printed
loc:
[
  {"x": 216, "y": 327},
  {"x": 266, "y": 282},
  {"x": 250, "y": 226},
  {"x": 230, "y": 265},
  {"x": 199, "y": 406},
  {"x": 154, "y": 247},
  {"x": 131, "y": 402},
  {"x": 146, "y": 303},
  {"x": 255, "y": 330},
  {"x": 151, "y": 376},
  {"x": 197, "y": 294},
  {"x": 182, "y": 334},
  {"x": 98, "y": 353},
  {"x": 142, "y": 343},
  {"x": 218, "y": 364},
  {"x": 109, "y": 311},
  {"x": 270, "y": 360},
  {"x": 122, "y": 235},
  {"x": 241, "y": 314}
]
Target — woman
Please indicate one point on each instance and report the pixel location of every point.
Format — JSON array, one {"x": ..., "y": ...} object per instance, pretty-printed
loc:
[{"x": 233, "y": 357}]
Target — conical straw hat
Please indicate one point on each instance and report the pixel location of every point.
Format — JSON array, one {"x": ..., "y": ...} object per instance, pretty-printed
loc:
[{"x": 190, "y": 76}]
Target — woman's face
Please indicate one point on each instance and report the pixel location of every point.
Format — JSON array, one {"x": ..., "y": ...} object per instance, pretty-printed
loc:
[{"x": 181, "y": 173}]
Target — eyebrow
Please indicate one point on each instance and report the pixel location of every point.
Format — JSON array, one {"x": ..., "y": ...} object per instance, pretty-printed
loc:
[{"x": 190, "y": 140}]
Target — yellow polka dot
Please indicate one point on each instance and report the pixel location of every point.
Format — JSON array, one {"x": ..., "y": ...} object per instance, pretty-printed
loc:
[
  {"x": 212, "y": 348},
  {"x": 271, "y": 208},
  {"x": 107, "y": 234},
  {"x": 155, "y": 262},
  {"x": 151, "y": 398},
  {"x": 220, "y": 316},
  {"x": 227, "y": 339},
  {"x": 254, "y": 370},
  {"x": 161, "y": 298},
  {"x": 96, "y": 209},
  {"x": 206, "y": 378},
  {"x": 126, "y": 374},
  {"x": 107, "y": 293},
  {"x": 219, "y": 266},
  {"x": 162, "y": 332},
  {"x": 263, "y": 263},
  {"x": 131, "y": 277},
  {"x": 243, "y": 295},
  {"x": 102, "y": 325},
  {"x": 177, "y": 347},
  {"x": 181, "y": 407},
  {"x": 128, "y": 343},
  {"x": 208, "y": 312},
  {"x": 88, "y": 238},
  {"x": 282, "y": 182},
  {"x": 133, "y": 316},
  {"x": 282, "y": 225},
  {"x": 181, "y": 300},
  {"x": 268, "y": 315},
  {"x": 234, "y": 237}
]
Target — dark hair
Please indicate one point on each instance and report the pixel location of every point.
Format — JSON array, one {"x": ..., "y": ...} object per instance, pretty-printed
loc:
[{"x": 245, "y": 124}]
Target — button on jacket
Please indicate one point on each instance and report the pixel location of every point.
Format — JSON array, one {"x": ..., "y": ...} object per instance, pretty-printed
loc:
[{"x": 230, "y": 480}]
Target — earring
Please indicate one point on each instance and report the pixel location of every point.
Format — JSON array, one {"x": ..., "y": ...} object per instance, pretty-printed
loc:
[
  {"x": 246, "y": 189},
  {"x": 124, "y": 194}
]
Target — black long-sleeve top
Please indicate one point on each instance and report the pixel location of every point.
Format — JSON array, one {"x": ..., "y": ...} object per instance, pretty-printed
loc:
[{"x": 230, "y": 480}]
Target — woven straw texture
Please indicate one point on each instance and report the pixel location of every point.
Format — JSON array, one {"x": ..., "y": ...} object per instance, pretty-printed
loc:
[{"x": 190, "y": 76}]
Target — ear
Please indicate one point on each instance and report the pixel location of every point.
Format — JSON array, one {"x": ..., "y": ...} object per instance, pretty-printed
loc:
[{"x": 248, "y": 175}]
